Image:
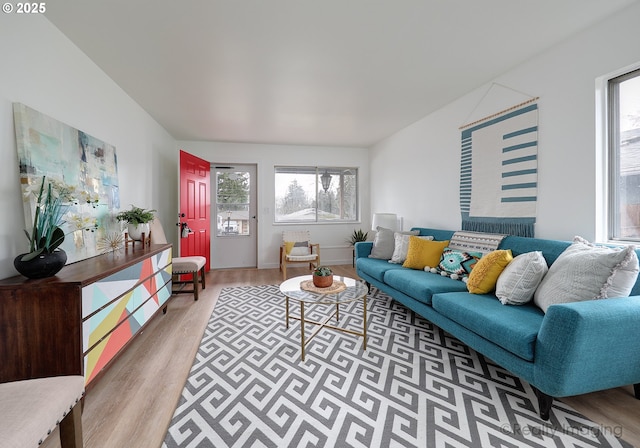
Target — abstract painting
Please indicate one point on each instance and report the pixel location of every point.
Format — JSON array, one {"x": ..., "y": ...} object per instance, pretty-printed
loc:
[{"x": 46, "y": 147}]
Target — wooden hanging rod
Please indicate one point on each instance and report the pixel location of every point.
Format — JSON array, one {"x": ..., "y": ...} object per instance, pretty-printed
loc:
[{"x": 499, "y": 113}]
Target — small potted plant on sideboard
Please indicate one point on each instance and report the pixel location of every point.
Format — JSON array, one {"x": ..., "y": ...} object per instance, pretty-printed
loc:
[{"x": 138, "y": 220}]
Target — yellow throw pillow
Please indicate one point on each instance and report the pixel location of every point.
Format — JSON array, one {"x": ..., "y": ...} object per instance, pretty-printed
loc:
[
  {"x": 423, "y": 253},
  {"x": 288, "y": 245},
  {"x": 486, "y": 271}
]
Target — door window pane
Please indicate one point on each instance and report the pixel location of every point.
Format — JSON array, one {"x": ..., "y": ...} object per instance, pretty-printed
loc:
[{"x": 232, "y": 203}]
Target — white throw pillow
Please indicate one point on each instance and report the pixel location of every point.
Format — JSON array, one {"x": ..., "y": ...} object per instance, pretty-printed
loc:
[
  {"x": 586, "y": 272},
  {"x": 300, "y": 248},
  {"x": 520, "y": 279},
  {"x": 402, "y": 247}
]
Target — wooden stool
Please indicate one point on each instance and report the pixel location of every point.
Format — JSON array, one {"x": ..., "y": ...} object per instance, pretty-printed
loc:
[{"x": 31, "y": 409}]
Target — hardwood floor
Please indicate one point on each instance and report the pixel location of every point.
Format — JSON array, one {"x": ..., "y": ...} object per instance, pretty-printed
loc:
[{"x": 131, "y": 405}]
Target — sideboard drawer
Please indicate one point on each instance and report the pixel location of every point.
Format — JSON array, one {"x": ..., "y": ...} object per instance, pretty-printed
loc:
[{"x": 118, "y": 306}]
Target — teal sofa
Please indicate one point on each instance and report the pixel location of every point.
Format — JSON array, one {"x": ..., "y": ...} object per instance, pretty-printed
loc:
[{"x": 573, "y": 349}]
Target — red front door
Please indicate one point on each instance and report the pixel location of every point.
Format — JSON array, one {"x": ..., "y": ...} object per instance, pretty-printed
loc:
[{"x": 195, "y": 206}]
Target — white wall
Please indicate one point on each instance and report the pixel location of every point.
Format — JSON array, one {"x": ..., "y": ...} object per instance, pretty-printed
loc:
[
  {"x": 331, "y": 237},
  {"x": 44, "y": 70},
  {"x": 420, "y": 164}
]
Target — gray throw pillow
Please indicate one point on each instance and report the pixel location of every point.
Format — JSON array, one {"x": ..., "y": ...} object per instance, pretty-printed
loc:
[
  {"x": 585, "y": 271},
  {"x": 384, "y": 243}
]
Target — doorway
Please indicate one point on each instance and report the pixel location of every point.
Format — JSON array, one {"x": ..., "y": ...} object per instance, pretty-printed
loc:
[{"x": 234, "y": 223}]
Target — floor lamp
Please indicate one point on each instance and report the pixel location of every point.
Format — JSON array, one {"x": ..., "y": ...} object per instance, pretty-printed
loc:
[{"x": 386, "y": 220}]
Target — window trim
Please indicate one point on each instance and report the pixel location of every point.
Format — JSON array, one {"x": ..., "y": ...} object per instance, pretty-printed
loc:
[{"x": 610, "y": 139}]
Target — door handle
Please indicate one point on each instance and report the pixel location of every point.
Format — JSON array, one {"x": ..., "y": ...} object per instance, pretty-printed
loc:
[{"x": 185, "y": 231}]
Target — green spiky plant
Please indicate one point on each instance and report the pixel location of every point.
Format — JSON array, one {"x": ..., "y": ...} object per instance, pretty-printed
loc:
[
  {"x": 358, "y": 235},
  {"x": 53, "y": 201}
]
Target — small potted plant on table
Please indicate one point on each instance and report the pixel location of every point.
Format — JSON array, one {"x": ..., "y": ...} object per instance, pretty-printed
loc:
[{"x": 322, "y": 277}]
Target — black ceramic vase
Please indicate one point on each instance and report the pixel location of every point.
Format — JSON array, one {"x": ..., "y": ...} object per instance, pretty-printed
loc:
[{"x": 44, "y": 265}]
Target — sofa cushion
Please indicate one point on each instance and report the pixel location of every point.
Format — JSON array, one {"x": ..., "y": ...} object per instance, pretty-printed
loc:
[
  {"x": 513, "y": 328},
  {"x": 421, "y": 285},
  {"x": 438, "y": 234},
  {"x": 375, "y": 268},
  {"x": 485, "y": 273},
  {"x": 520, "y": 279},
  {"x": 384, "y": 243},
  {"x": 587, "y": 272},
  {"x": 402, "y": 246},
  {"x": 423, "y": 253},
  {"x": 551, "y": 249},
  {"x": 457, "y": 263},
  {"x": 471, "y": 241}
]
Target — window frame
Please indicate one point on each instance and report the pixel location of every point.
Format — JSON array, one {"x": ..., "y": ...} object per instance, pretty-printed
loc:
[
  {"x": 614, "y": 177},
  {"x": 317, "y": 171}
]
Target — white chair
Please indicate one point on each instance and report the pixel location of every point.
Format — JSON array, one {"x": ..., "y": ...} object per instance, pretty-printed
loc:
[
  {"x": 193, "y": 265},
  {"x": 31, "y": 409},
  {"x": 297, "y": 248}
]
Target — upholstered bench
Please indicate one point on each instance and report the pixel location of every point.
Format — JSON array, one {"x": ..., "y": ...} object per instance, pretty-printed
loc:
[
  {"x": 31, "y": 409},
  {"x": 189, "y": 265},
  {"x": 193, "y": 265}
]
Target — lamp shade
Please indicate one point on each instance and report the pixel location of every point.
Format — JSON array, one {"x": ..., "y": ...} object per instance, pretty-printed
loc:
[{"x": 386, "y": 220}]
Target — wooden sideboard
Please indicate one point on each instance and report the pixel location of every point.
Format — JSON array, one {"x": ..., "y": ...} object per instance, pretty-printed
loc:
[{"x": 76, "y": 322}]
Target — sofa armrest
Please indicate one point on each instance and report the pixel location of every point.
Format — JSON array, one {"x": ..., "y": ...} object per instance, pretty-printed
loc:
[
  {"x": 587, "y": 346},
  {"x": 363, "y": 248}
]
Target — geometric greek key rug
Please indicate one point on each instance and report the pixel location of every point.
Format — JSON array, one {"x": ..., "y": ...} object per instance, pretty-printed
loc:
[{"x": 414, "y": 385}]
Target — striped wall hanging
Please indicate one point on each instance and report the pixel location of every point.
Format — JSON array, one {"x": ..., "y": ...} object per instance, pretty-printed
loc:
[{"x": 499, "y": 171}]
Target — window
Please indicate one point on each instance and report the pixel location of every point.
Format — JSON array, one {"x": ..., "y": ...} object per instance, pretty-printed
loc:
[
  {"x": 232, "y": 202},
  {"x": 624, "y": 156},
  {"x": 316, "y": 194}
]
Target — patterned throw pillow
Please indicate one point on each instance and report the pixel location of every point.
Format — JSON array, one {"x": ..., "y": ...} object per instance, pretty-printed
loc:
[
  {"x": 520, "y": 279},
  {"x": 456, "y": 263}
]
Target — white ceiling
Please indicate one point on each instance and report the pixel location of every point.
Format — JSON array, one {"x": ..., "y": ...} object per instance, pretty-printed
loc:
[{"x": 321, "y": 72}]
